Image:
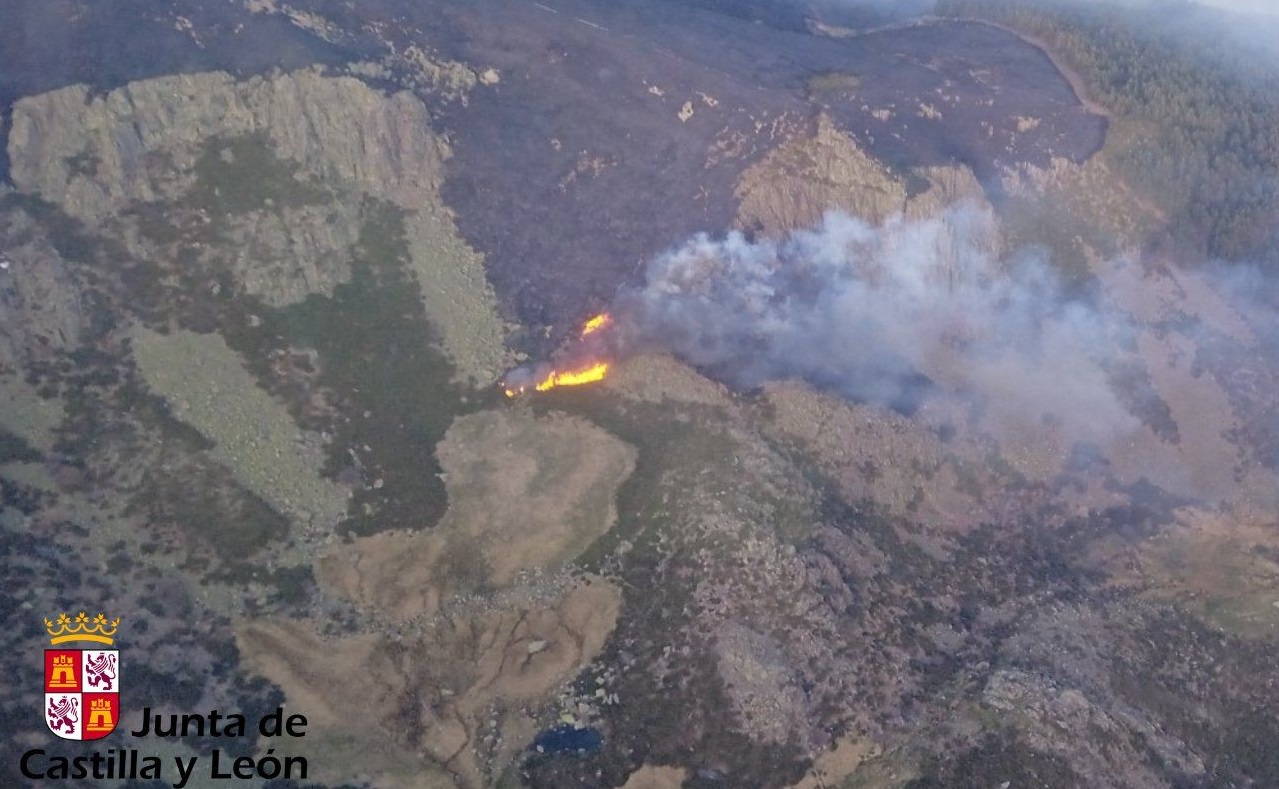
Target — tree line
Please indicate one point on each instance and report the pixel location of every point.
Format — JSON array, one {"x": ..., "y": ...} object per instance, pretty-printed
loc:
[{"x": 1196, "y": 104}]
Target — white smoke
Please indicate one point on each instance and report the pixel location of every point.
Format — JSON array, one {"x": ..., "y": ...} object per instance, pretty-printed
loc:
[
  {"x": 1268, "y": 7},
  {"x": 893, "y": 315},
  {"x": 1244, "y": 6}
]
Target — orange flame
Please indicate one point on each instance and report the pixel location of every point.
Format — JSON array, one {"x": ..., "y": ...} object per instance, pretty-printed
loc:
[
  {"x": 601, "y": 321},
  {"x": 585, "y": 375},
  {"x": 595, "y": 372}
]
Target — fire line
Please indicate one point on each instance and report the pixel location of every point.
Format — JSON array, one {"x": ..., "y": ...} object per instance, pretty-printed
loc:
[
  {"x": 585, "y": 375},
  {"x": 595, "y": 372},
  {"x": 601, "y": 321}
]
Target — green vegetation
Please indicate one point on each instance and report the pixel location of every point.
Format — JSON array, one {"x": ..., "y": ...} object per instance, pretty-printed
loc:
[
  {"x": 375, "y": 350},
  {"x": 241, "y": 174},
  {"x": 14, "y": 449},
  {"x": 26, "y": 416},
  {"x": 1196, "y": 128},
  {"x": 207, "y": 387},
  {"x": 293, "y": 585},
  {"x": 203, "y": 500}
]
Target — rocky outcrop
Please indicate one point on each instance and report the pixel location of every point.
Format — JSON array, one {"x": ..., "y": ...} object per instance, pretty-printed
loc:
[
  {"x": 1044, "y": 709},
  {"x": 800, "y": 180},
  {"x": 765, "y": 694},
  {"x": 94, "y": 154},
  {"x": 41, "y": 312},
  {"x": 948, "y": 185},
  {"x": 284, "y": 255},
  {"x": 148, "y": 144},
  {"x": 797, "y": 182}
]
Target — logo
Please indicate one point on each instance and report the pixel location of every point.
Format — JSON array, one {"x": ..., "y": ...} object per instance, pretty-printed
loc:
[{"x": 81, "y": 686}]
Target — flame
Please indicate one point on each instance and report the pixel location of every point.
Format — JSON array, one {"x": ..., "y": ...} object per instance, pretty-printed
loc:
[
  {"x": 595, "y": 372},
  {"x": 586, "y": 375},
  {"x": 601, "y": 321}
]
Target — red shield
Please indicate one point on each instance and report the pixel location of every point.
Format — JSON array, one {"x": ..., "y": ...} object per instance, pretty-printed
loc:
[{"x": 81, "y": 692}]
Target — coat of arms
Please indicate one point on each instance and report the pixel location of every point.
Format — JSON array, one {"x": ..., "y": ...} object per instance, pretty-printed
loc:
[{"x": 81, "y": 686}]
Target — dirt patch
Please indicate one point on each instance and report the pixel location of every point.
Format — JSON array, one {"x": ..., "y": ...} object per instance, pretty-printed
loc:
[
  {"x": 832, "y": 768},
  {"x": 1223, "y": 567},
  {"x": 526, "y": 494},
  {"x": 650, "y": 777},
  {"x": 450, "y": 706},
  {"x": 453, "y": 683},
  {"x": 536, "y": 490}
]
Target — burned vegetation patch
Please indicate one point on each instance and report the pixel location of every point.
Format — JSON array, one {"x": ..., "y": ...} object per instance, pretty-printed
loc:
[{"x": 597, "y": 154}]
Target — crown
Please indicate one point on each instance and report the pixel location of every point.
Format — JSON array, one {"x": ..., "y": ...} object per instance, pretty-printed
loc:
[{"x": 82, "y": 629}]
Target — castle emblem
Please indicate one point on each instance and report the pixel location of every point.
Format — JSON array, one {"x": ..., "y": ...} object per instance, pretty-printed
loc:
[{"x": 81, "y": 686}]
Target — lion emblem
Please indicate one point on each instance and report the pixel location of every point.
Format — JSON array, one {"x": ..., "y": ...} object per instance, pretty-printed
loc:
[
  {"x": 101, "y": 670},
  {"x": 64, "y": 712}
]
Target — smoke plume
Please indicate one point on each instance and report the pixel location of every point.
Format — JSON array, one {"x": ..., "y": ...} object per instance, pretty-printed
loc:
[{"x": 893, "y": 315}]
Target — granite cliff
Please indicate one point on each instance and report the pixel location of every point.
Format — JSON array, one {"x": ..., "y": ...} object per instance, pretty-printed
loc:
[{"x": 205, "y": 141}]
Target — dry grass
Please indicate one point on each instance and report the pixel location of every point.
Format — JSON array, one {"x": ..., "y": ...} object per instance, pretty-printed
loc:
[
  {"x": 1223, "y": 567},
  {"x": 526, "y": 494},
  {"x": 650, "y": 777},
  {"x": 658, "y": 378}
]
